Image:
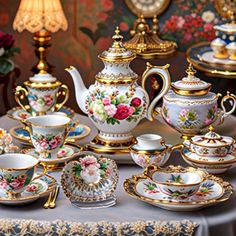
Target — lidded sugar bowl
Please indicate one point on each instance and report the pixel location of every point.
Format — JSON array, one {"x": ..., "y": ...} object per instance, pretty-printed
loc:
[
  {"x": 115, "y": 102},
  {"x": 42, "y": 92},
  {"x": 190, "y": 106}
]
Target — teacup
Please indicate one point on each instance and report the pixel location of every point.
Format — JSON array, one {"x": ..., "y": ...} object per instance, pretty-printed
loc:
[
  {"x": 48, "y": 133},
  {"x": 16, "y": 172},
  {"x": 218, "y": 47},
  {"x": 42, "y": 96},
  {"x": 176, "y": 181},
  {"x": 150, "y": 142}
]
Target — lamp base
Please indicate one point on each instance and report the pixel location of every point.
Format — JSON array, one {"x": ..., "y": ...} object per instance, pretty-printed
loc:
[{"x": 42, "y": 43}]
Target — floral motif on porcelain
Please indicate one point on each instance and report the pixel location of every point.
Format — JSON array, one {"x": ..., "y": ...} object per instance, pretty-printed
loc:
[
  {"x": 111, "y": 107},
  {"x": 189, "y": 118},
  {"x": 34, "y": 187},
  {"x": 15, "y": 181},
  {"x": 158, "y": 158},
  {"x": 42, "y": 100},
  {"x": 92, "y": 170},
  {"x": 47, "y": 141}
]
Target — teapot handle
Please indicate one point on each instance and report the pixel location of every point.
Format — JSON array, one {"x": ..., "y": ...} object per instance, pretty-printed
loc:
[
  {"x": 163, "y": 72},
  {"x": 63, "y": 91},
  {"x": 231, "y": 97}
]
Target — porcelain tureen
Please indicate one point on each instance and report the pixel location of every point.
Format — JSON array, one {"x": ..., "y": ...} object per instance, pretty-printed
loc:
[
  {"x": 115, "y": 102},
  {"x": 189, "y": 106}
]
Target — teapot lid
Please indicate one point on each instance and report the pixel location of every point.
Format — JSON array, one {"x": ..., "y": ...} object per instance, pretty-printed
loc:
[
  {"x": 117, "y": 52},
  {"x": 212, "y": 139},
  {"x": 191, "y": 85}
]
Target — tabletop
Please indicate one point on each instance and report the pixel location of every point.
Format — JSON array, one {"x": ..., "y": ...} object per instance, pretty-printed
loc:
[{"x": 215, "y": 220}]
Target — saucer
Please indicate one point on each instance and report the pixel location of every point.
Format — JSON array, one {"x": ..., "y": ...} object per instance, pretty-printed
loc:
[
  {"x": 193, "y": 157},
  {"x": 212, "y": 191},
  {"x": 80, "y": 131},
  {"x": 17, "y": 113},
  {"x": 65, "y": 154},
  {"x": 138, "y": 147},
  {"x": 36, "y": 189}
]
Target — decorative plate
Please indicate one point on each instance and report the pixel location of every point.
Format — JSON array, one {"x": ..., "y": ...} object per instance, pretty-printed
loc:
[
  {"x": 90, "y": 182},
  {"x": 17, "y": 113},
  {"x": 36, "y": 189},
  {"x": 81, "y": 131},
  {"x": 147, "y": 8},
  {"x": 65, "y": 154},
  {"x": 212, "y": 191},
  {"x": 194, "y": 55}
]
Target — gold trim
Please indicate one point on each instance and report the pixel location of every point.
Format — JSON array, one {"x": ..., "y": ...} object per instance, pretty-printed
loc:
[
  {"x": 132, "y": 7},
  {"x": 30, "y": 124},
  {"x": 227, "y": 191},
  {"x": 209, "y": 162},
  {"x": 221, "y": 145},
  {"x": 121, "y": 81},
  {"x": 210, "y": 72},
  {"x": 191, "y": 92},
  {"x": 148, "y": 152},
  {"x": 19, "y": 169},
  {"x": 41, "y": 85},
  {"x": 152, "y": 169}
]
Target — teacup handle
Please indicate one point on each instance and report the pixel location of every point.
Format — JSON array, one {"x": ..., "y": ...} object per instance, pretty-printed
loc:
[
  {"x": 42, "y": 174},
  {"x": 64, "y": 91},
  {"x": 231, "y": 97},
  {"x": 20, "y": 94}
]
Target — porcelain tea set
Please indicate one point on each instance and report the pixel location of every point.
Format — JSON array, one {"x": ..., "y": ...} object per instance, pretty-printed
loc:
[{"x": 115, "y": 104}]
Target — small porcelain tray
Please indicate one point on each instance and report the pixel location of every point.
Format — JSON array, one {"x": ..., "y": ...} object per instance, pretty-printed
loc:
[
  {"x": 208, "y": 57},
  {"x": 38, "y": 188},
  {"x": 212, "y": 191}
]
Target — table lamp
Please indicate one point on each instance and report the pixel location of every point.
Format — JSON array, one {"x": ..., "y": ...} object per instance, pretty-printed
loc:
[{"x": 40, "y": 17}]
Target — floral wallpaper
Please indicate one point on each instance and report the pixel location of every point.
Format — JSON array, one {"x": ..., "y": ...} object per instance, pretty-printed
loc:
[{"x": 91, "y": 25}]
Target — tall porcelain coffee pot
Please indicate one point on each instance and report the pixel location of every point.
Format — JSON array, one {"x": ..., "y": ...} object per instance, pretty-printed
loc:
[{"x": 115, "y": 102}]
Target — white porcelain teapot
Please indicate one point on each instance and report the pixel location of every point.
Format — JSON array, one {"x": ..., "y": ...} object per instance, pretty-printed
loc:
[{"x": 115, "y": 102}]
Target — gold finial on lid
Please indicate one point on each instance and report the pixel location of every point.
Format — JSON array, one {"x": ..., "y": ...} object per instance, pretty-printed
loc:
[
  {"x": 211, "y": 128},
  {"x": 190, "y": 71},
  {"x": 117, "y": 39}
]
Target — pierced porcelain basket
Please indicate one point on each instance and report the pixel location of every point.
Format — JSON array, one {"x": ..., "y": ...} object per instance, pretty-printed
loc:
[{"x": 90, "y": 182}]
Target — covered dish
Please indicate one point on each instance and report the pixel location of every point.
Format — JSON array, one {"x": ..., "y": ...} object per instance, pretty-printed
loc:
[{"x": 212, "y": 144}]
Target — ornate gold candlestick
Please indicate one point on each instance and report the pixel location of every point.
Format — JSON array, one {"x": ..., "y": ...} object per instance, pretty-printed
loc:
[{"x": 146, "y": 43}]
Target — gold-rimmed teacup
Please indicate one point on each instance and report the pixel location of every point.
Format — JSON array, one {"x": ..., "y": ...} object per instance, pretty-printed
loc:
[
  {"x": 48, "y": 133},
  {"x": 16, "y": 172}
]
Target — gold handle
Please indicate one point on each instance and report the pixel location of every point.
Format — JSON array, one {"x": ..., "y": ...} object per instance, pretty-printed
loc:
[
  {"x": 20, "y": 94},
  {"x": 176, "y": 147},
  {"x": 42, "y": 174},
  {"x": 64, "y": 91},
  {"x": 231, "y": 97},
  {"x": 149, "y": 170},
  {"x": 163, "y": 72}
]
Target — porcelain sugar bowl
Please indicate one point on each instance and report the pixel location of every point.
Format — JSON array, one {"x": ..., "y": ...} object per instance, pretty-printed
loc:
[
  {"x": 115, "y": 102},
  {"x": 42, "y": 92},
  {"x": 90, "y": 182},
  {"x": 211, "y": 152},
  {"x": 150, "y": 149},
  {"x": 189, "y": 106}
]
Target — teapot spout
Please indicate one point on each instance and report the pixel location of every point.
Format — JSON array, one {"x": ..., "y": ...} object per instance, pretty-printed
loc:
[{"x": 80, "y": 89}]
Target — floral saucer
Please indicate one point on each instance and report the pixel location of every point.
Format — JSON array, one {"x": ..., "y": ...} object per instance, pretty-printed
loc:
[
  {"x": 17, "y": 113},
  {"x": 36, "y": 189},
  {"x": 65, "y": 154},
  {"x": 212, "y": 191},
  {"x": 80, "y": 131}
]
